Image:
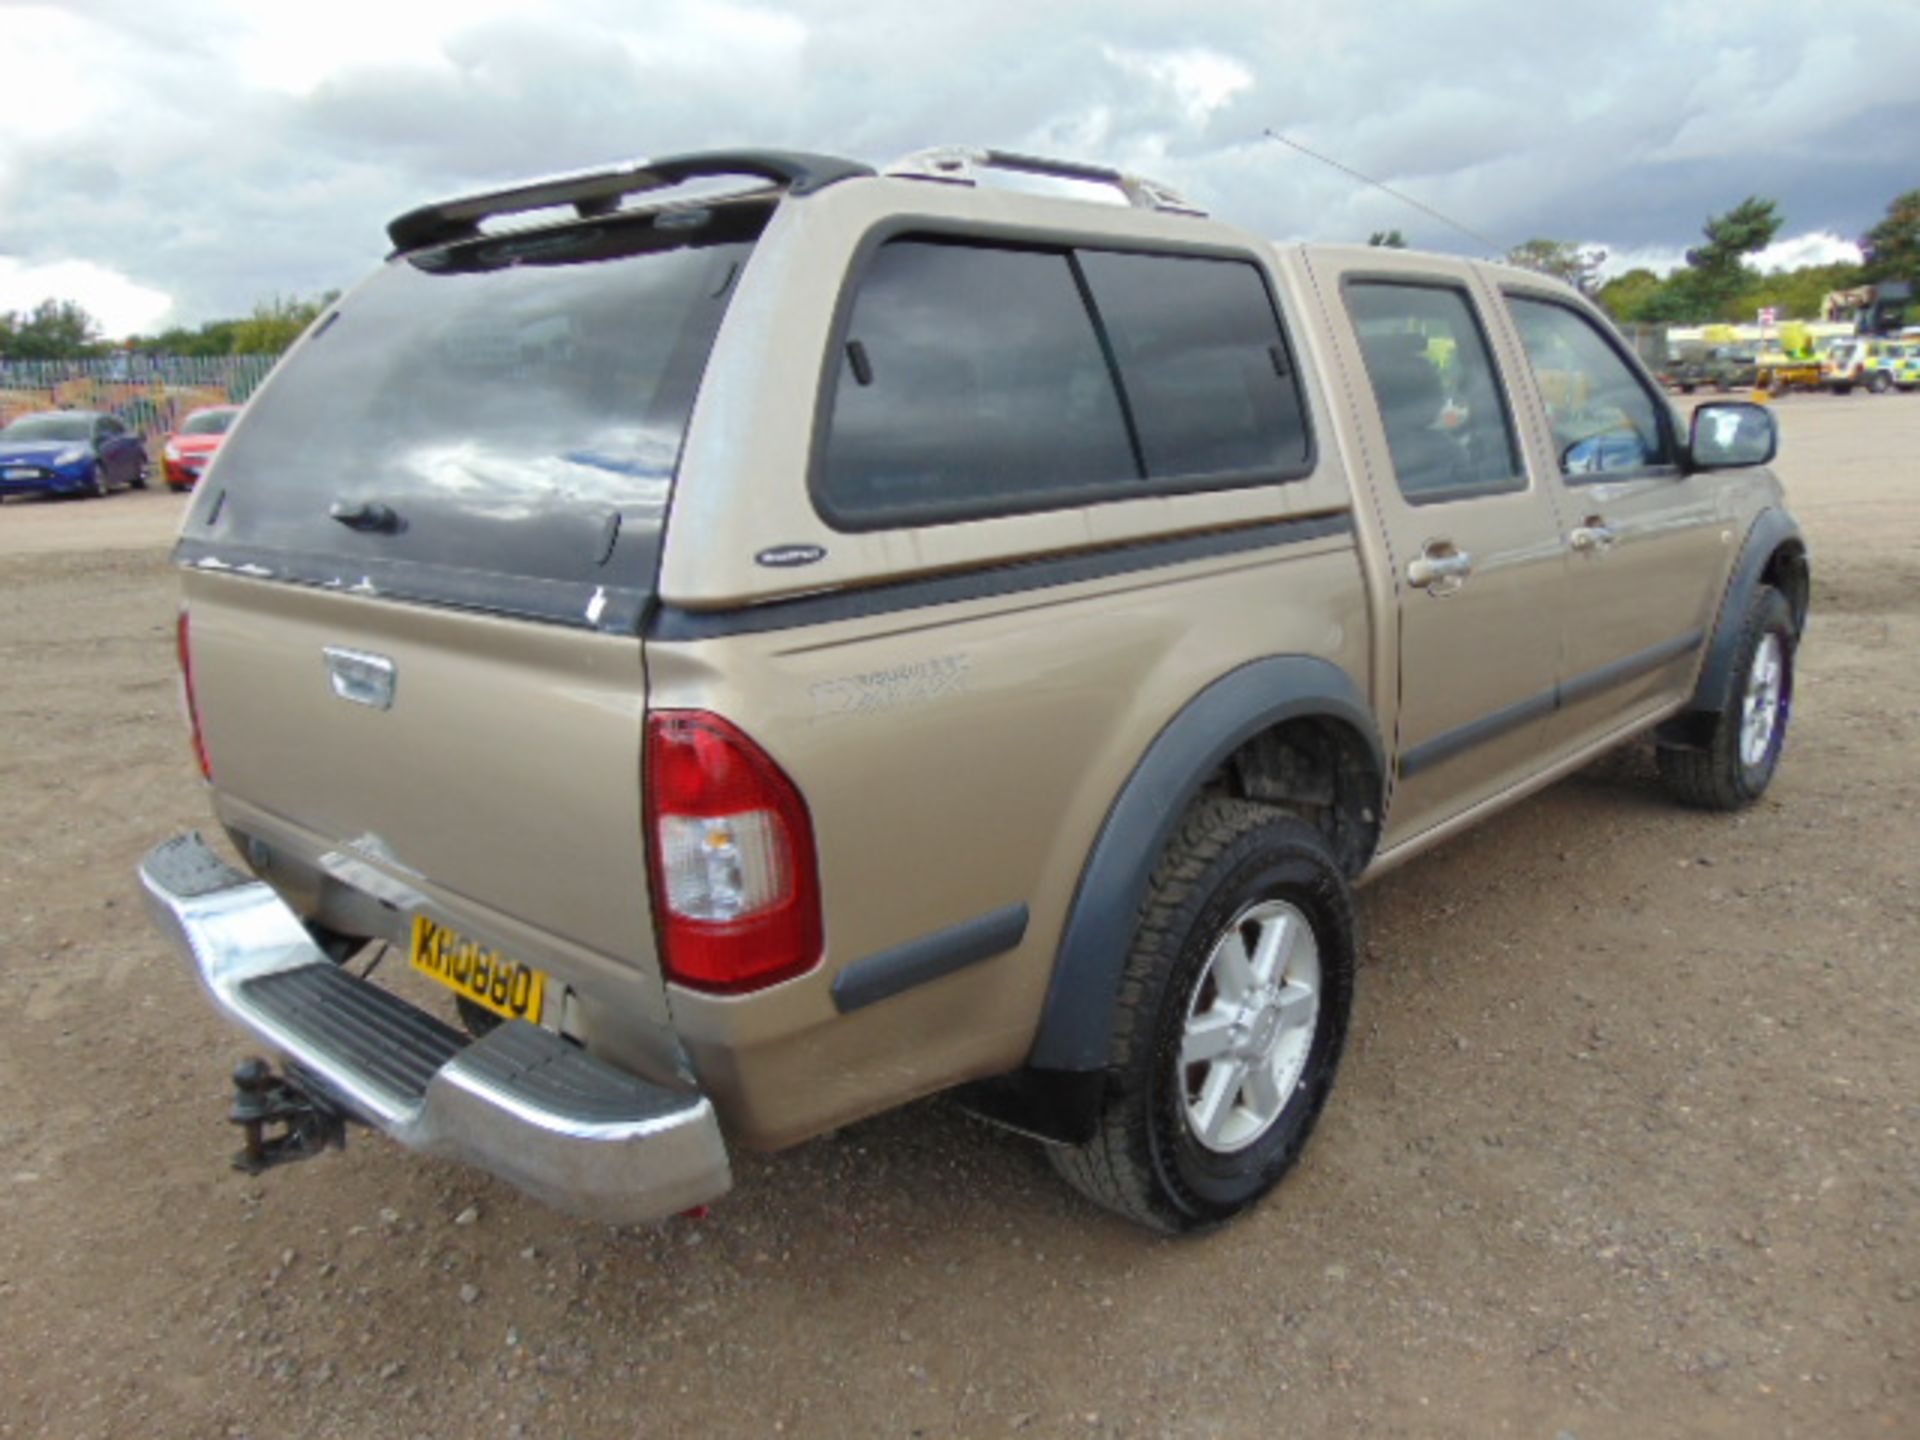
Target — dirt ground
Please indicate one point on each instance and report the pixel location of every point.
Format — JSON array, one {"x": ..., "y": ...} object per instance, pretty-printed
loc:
[{"x": 1625, "y": 1142}]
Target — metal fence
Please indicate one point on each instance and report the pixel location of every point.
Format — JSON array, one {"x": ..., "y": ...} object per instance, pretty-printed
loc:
[{"x": 150, "y": 393}]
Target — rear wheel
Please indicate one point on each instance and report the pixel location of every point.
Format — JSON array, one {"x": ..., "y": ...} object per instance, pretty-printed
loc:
[
  {"x": 1230, "y": 1020},
  {"x": 1880, "y": 383},
  {"x": 1736, "y": 764},
  {"x": 139, "y": 480},
  {"x": 100, "y": 486}
]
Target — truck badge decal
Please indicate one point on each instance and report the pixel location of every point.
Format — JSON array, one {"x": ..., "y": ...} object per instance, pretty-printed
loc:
[
  {"x": 875, "y": 692},
  {"x": 785, "y": 557}
]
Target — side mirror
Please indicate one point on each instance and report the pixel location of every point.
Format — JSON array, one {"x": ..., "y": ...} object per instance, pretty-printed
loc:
[{"x": 1731, "y": 435}]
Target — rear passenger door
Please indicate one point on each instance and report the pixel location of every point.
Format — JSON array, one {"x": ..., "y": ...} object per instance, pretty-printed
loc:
[
  {"x": 107, "y": 447},
  {"x": 126, "y": 450},
  {"x": 1473, "y": 539},
  {"x": 1648, "y": 543}
]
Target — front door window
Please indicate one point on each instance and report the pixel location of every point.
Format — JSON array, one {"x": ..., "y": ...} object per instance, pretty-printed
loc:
[{"x": 1603, "y": 419}]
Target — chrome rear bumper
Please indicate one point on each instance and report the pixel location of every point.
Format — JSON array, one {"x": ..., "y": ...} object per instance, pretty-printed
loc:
[{"x": 521, "y": 1102}]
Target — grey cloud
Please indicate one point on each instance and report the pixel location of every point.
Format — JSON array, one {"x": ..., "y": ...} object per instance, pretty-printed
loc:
[{"x": 1624, "y": 127}]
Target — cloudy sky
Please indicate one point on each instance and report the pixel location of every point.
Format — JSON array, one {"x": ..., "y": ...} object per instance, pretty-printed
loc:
[{"x": 172, "y": 161}]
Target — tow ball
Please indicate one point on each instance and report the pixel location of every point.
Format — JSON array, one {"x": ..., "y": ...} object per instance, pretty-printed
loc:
[{"x": 306, "y": 1124}]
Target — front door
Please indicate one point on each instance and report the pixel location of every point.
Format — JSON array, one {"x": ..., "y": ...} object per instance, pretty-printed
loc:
[
  {"x": 1649, "y": 545},
  {"x": 1473, "y": 539}
]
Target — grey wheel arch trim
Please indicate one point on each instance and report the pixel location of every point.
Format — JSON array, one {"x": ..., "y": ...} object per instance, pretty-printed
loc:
[
  {"x": 1772, "y": 530},
  {"x": 1076, "y": 1023}
]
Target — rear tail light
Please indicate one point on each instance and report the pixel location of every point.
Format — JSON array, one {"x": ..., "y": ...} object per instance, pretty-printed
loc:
[
  {"x": 193, "y": 709},
  {"x": 736, "y": 890}
]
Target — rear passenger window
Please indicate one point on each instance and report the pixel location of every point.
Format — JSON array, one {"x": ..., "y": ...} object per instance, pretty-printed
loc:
[
  {"x": 1202, "y": 362},
  {"x": 1447, "y": 425},
  {"x": 1603, "y": 419},
  {"x": 971, "y": 381},
  {"x": 977, "y": 380}
]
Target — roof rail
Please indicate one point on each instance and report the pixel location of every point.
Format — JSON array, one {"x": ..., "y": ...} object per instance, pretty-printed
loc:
[
  {"x": 960, "y": 165},
  {"x": 599, "y": 192}
]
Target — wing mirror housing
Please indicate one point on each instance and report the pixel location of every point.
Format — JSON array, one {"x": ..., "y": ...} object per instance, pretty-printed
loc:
[{"x": 1731, "y": 435}]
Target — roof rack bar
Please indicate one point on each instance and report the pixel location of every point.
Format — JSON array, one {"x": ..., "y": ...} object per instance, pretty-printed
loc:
[
  {"x": 960, "y": 164},
  {"x": 599, "y": 192}
]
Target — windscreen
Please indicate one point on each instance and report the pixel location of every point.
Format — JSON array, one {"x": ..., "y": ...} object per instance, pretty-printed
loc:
[
  {"x": 208, "y": 422},
  {"x": 50, "y": 427},
  {"x": 491, "y": 424}
]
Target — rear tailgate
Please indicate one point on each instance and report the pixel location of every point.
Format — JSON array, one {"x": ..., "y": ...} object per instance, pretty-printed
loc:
[
  {"x": 456, "y": 484},
  {"x": 505, "y": 774}
]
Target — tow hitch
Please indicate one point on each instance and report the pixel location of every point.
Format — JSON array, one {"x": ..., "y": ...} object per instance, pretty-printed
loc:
[{"x": 262, "y": 1099}]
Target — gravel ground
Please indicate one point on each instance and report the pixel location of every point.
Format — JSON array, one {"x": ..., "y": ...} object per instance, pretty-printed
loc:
[{"x": 1624, "y": 1143}]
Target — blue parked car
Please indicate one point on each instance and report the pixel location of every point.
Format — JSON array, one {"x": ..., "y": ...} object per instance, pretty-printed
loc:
[{"x": 70, "y": 452}]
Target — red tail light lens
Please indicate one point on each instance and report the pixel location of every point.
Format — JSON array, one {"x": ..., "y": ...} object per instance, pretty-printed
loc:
[
  {"x": 736, "y": 888},
  {"x": 193, "y": 709}
]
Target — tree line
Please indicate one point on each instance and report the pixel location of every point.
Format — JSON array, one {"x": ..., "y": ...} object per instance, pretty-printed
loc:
[
  {"x": 63, "y": 330},
  {"x": 1717, "y": 283}
]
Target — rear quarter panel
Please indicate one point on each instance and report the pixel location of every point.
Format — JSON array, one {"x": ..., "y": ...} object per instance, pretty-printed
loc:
[
  {"x": 958, "y": 758},
  {"x": 957, "y": 761}
]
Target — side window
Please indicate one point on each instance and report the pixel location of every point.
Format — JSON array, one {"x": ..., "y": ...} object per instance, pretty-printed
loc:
[
  {"x": 1433, "y": 378},
  {"x": 1603, "y": 419},
  {"x": 972, "y": 381},
  {"x": 977, "y": 379},
  {"x": 1206, "y": 372}
]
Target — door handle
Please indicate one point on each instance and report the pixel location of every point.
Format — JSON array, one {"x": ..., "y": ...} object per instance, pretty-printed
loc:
[
  {"x": 1595, "y": 535},
  {"x": 1441, "y": 569}
]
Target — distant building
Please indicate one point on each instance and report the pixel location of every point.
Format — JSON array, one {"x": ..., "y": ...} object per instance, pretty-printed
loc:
[
  {"x": 1870, "y": 309},
  {"x": 1817, "y": 330}
]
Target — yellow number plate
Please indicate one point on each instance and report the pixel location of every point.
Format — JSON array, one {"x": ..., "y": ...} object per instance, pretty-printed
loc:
[{"x": 484, "y": 976}]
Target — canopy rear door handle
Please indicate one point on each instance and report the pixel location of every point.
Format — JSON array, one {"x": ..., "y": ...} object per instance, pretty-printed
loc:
[{"x": 366, "y": 516}]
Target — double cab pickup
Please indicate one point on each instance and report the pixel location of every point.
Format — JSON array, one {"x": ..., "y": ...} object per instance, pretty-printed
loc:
[{"x": 690, "y": 655}]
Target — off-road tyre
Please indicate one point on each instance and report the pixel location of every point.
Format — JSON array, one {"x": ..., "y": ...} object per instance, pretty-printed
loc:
[
  {"x": 1716, "y": 775},
  {"x": 1144, "y": 1162}
]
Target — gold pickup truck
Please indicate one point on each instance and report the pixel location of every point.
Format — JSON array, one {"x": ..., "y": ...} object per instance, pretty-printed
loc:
[{"x": 763, "y": 640}]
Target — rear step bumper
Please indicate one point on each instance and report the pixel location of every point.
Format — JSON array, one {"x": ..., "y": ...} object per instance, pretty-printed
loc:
[{"x": 521, "y": 1102}]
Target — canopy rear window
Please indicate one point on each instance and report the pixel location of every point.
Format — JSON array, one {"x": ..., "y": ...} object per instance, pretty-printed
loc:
[{"x": 494, "y": 423}]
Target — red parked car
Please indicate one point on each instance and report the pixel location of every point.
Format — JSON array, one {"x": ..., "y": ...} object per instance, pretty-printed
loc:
[{"x": 189, "y": 450}]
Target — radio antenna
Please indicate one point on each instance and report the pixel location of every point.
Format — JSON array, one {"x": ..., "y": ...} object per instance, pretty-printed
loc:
[{"x": 1404, "y": 199}]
